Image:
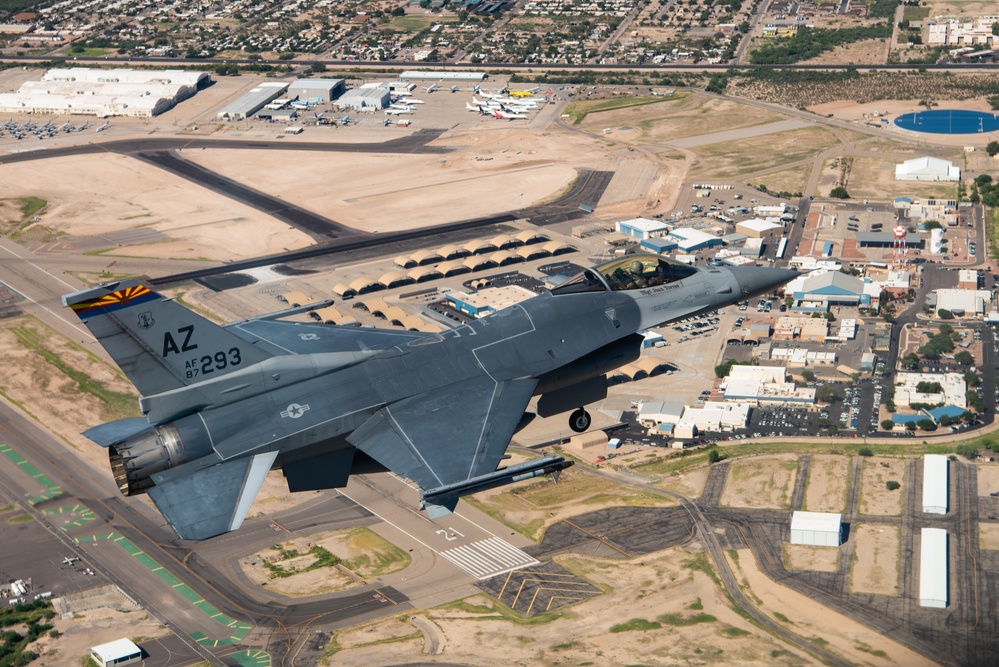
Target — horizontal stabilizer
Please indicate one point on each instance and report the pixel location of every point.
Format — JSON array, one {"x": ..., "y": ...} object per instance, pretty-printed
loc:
[
  {"x": 213, "y": 500},
  {"x": 116, "y": 432}
]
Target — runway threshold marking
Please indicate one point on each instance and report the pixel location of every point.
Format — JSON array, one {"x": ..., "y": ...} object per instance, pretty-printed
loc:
[{"x": 52, "y": 489}]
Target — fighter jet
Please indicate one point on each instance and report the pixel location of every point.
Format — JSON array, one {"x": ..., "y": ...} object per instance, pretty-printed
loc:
[{"x": 224, "y": 404}]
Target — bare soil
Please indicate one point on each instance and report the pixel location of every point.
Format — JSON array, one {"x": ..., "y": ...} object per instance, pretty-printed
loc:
[
  {"x": 92, "y": 628},
  {"x": 647, "y": 589},
  {"x": 689, "y": 483},
  {"x": 875, "y": 560},
  {"x": 803, "y": 557},
  {"x": 828, "y": 478},
  {"x": 875, "y": 498},
  {"x": 988, "y": 479},
  {"x": 988, "y": 536},
  {"x": 761, "y": 482},
  {"x": 811, "y": 619}
]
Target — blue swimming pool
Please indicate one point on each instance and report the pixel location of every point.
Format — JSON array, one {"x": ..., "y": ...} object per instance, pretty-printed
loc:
[{"x": 949, "y": 121}]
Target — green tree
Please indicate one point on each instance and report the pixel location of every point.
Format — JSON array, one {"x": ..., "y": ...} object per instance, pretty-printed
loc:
[
  {"x": 839, "y": 193},
  {"x": 713, "y": 456},
  {"x": 910, "y": 361},
  {"x": 926, "y": 425},
  {"x": 992, "y": 148},
  {"x": 865, "y": 451},
  {"x": 945, "y": 314},
  {"x": 887, "y": 425},
  {"x": 964, "y": 358},
  {"x": 892, "y": 485},
  {"x": 825, "y": 394},
  {"x": 807, "y": 376}
]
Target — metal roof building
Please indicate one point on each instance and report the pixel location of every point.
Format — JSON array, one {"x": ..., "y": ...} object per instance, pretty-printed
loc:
[
  {"x": 817, "y": 529},
  {"x": 321, "y": 90},
  {"x": 359, "y": 99},
  {"x": 935, "y": 484},
  {"x": 933, "y": 568},
  {"x": 253, "y": 101},
  {"x": 118, "y": 652}
]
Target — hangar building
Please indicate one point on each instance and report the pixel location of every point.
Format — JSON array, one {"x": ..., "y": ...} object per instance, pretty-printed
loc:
[
  {"x": 933, "y": 568},
  {"x": 935, "y": 484},
  {"x": 103, "y": 93},
  {"x": 253, "y": 101},
  {"x": 365, "y": 97},
  {"x": 816, "y": 529},
  {"x": 642, "y": 228},
  {"x": 323, "y": 90},
  {"x": 927, "y": 169}
]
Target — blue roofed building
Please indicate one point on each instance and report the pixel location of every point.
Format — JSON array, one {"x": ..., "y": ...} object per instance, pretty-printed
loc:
[
  {"x": 660, "y": 245},
  {"x": 952, "y": 411},
  {"x": 690, "y": 239},
  {"x": 816, "y": 292},
  {"x": 642, "y": 228}
]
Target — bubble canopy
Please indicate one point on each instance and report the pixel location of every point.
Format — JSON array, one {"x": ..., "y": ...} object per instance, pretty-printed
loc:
[{"x": 627, "y": 273}]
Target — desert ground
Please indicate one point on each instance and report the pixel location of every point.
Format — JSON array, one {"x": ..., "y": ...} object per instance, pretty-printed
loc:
[
  {"x": 91, "y": 627},
  {"x": 873, "y": 177},
  {"x": 92, "y": 195},
  {"x": 875, "y": 498},
  {"x": 803, "y": 557},
  {"x": 988, "y": 536},
  {"x": 988, "y": 479},
  {"x": 828, "y": 479},
  {"x": 875, "y": 564},
  {"x": 761, "y": 482}
]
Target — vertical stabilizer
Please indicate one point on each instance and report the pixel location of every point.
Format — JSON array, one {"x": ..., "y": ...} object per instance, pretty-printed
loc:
[{"x": 159, "y": 344}]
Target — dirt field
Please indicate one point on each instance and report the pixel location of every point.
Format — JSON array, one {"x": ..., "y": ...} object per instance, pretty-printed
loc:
[
  {"x": 828, "y": 478},
  {"x": 802, "y": 557},
  {"x": 788, "y": 180},
  {"x": 686, "y": 621},
  {"x": 874, "y": 178},
  {"x": 988, "y": 536},
  {"x": 875, "y": 498},
  {"x": 875, "y": 560},
  {"x": 761, "y": 482},
  {"x": 689, "y": 483},
  {"x": 91, "y": 628},
  {"x": 362, "y": 554},
  {"x": 730, "y": 159},
  {"x": 686, "y": 115},
  {"x": 810, "y": 619},
  {"x": 864, "y": 52},
  {"x": 988, "y": 479},
  {"x": 90, "y": 195}
]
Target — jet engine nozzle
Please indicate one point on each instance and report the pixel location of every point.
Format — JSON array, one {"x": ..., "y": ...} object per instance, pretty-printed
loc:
[{"x": 136, "y": 460}]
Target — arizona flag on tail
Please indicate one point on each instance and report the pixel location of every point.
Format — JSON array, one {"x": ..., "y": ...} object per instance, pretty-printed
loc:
[{"x": 129, "y": 296}]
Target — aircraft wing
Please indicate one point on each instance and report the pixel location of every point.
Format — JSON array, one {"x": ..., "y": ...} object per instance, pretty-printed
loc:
[
  {"x": 446, "y": 435},
  {"x": 279, "y": 337}
]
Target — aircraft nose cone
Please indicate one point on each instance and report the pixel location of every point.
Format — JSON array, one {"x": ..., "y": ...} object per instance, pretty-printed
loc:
[{"x": 754, "y": 280}]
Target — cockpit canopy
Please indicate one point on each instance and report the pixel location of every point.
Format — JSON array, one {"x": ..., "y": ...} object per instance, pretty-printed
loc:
[{"x": 627, "y": 273}]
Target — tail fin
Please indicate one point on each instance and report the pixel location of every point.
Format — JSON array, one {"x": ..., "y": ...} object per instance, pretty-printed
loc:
[{"x": 159, "y": 344}]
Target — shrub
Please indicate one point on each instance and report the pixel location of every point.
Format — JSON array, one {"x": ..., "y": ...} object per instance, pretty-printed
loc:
[{"x": 892, "y": 485}]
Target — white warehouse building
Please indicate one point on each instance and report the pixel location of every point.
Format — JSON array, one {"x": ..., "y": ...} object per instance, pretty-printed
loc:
[
  {"x": 816, "y": 529},
  {"x": 927, "y": 169},
  {"x": 94, "y": 92},
  {"x": 935, "y": 484},
  {"x": 933, "y": 568}
]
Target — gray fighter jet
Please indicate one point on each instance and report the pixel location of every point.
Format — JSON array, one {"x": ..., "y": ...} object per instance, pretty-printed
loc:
[{"x": 223, "y": 405}]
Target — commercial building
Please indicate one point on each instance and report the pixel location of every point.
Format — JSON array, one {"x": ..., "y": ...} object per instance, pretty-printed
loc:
[
  {"x": 797, "y": 327},
  {"x": 690, "y": 239},
  {"x": 757, "y": 227},
  {"x": 103, "y": 93},
  {"x": 316, "y": 90},
  {"x": 713, "y": 416},
  {"x": 887, "y": 240},
  {"x": 642, "y": 228},
  {"x": 118, "y": 652},
  {"x": 816, "y": 529},
  {"x": 436, "y": 75},
  {"x": 817, "y": 291},
  {"x": 952, "y": 389},
  {"x": 253, "y": 101},
  {"x": 488, "y": 301},
  {"x": 764, "y": 385},
  {"x": 927, "y": 169},
  {"x": 960, "y": 302},
  {"x": 652, "y": 414},
  {"x": 935, "y": 484},
  {"x": 933, "y": 571}
]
